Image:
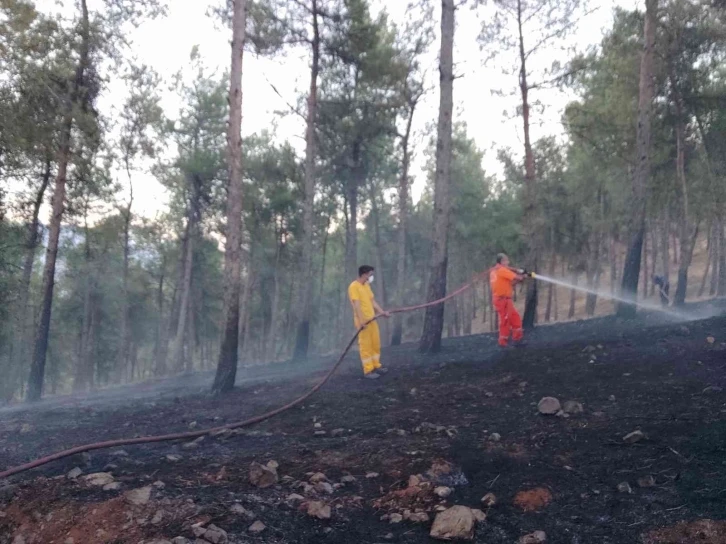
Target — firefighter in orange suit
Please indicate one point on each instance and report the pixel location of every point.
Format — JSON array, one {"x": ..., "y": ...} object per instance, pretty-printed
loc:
[
  {"x": 502, "y": 280},
  {"x": 365, "y": 308}
]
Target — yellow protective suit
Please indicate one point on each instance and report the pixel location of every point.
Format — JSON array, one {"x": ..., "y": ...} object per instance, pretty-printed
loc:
[{"x": 369, "y": 340}]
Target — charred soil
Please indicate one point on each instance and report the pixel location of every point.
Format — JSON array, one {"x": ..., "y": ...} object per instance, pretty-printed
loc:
[{"x": 465, "y": 419}]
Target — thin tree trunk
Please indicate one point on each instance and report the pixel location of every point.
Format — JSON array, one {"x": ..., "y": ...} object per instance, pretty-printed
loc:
[
  {"x": 721, "y": 291},
  {"x": 245, "y": 301},
  {"x": 160, "y": 337},
  {"x": 37, "y": 369},
  {"x": 304, "y": 311},
  {"x": 573, "y": 294},
  {"x": 25, "y": 317},
  {"x": 123, "y": 355},
  {"x": 227, "y": 365},
  {"x": 636, "y": 227},
  {"x": 709, "y": 255},
  {"x": 654, "y": 255},
  {"x": 381, "y": 289},
  {"x": 272, "y": 333},
  {"x": 403, "y": 204},
  {"x": 550, "y": 293},
  {"x": 177, "y": 353},
  {"x": 665, "y": 247},
  {"x": 529, "y": 318},
  {"x": 717, "y": 248},
  {"x": 434, "y": 318},
  {"x": 689, "y": 229},
  {"x": 644, "y": 264}
]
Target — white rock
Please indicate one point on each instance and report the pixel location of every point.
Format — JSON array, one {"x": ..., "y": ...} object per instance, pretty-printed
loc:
[
  {"x": 294, "y": 497},
  {"x": 257, "y": 527},
  {"x": 138, "y": 497},
  {"x": 324, "y": 487},
  {"x": 74, "y": 473},
  {"x": 113, "y": 486},
  {"x": 442, "y": 492},
  {"x": 372, "y": 475},
  {"x": 349, "y": 479},
  {"x": 454, "y": 523},
  {"x": 395, "y": 518},
  {"x": 495, "y": 437},
  {"x": 537, "y": 537},
  {"x": 99, "y": 479},
  {"x": 549, "y": 406},
  {"x": 215, "y": 535},
  {"x": 318, "y": 477},
  {"x": 624, "y": 487},
  {"x": 632, "y": 438}
]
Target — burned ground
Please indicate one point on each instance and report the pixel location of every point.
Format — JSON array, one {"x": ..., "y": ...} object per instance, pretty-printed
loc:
[{"x": 471, "y": 408}]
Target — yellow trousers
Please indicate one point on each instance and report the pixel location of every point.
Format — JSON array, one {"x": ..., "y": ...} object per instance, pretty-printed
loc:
[{"x": 369, "y": 343}]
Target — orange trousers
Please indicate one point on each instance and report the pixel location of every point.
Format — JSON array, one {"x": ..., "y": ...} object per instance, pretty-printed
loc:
[{"x": 509, "y": 320}]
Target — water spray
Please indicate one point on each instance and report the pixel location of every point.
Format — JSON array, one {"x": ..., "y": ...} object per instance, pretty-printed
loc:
[{"x": 605, "y": 294}]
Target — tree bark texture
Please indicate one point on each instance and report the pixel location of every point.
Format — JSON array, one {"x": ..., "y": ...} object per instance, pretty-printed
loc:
[
  {"x": 227, "y": 363},
  {"x": 37, "y": 369},
  {"x": 434, "y": 318},
  {"x": 636, "y": 227}
]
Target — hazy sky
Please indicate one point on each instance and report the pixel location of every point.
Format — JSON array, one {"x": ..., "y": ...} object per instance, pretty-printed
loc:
[{"x": 165, "y": 44}]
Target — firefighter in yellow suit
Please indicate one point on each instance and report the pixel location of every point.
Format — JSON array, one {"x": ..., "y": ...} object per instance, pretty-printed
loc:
[{"x": 365, "y": 307}]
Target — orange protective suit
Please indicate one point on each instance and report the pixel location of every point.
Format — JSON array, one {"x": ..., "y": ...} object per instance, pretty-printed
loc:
[{"x": 501, "y": 280}]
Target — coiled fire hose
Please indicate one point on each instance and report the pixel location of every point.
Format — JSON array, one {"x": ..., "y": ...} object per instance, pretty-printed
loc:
[{"x": 247, "y": 422}]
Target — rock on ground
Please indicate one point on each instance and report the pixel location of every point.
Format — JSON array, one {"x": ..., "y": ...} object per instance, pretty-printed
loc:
[
  {"x": 262, "y": 475},
  {"x": 549, "y": 406},
  {"x": 534, "y": 538},
  {"x": 99, "y": 479},
  {"x": 257, "y": 527},
  {"x": 454, "y": 523},
  {"x": 319, "y": 509},
  {"x": 572, "y": 407},
  {"x": 489, "y": 500},
  {"x": 138, "y": 497},
  {"x": 632, "y": 438}
]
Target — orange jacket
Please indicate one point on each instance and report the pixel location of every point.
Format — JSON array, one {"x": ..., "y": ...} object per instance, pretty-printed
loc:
[{"x": 501, "y": 280}]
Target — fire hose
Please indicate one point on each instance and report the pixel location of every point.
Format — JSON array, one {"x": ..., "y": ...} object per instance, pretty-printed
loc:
[{"x": 245, "y": 423}]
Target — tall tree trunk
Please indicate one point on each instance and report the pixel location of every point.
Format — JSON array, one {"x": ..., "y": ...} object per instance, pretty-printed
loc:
[
  {"x": 644, "y": 263},
  {"x": 530, "y": 193},
  {"x": 717, "y": 250},
  {"x": 434, "y": 319},
  {"x": 665, "y": 247},
  {"x": 245, "y": 298},
  {"x": 573, "y": 294},
  {"x": 123, "y": 356},
  {"x": 403, "y": 203},
  {"x": 721, "y": 291},
  {"x": 613, "y": 263},
  {"x": 304, "y": 291},
  {"x": 161, "y": 339},
  {"x": 37, "y": 369},
  {"x": 654, "y": 255},
  {"x": 381, "y": 280},
  {"x": 709, "y": 256},
  {"x": 636, "y": 227},
  {"x": 227, "y": 365},
  {"x": 272, "y": 333},
  {"x": 32, "y": 240},
  {"x": 689, "y": 229},
  {"x": 550, "y": 293},
  {"x": 177, "y": 352}
]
